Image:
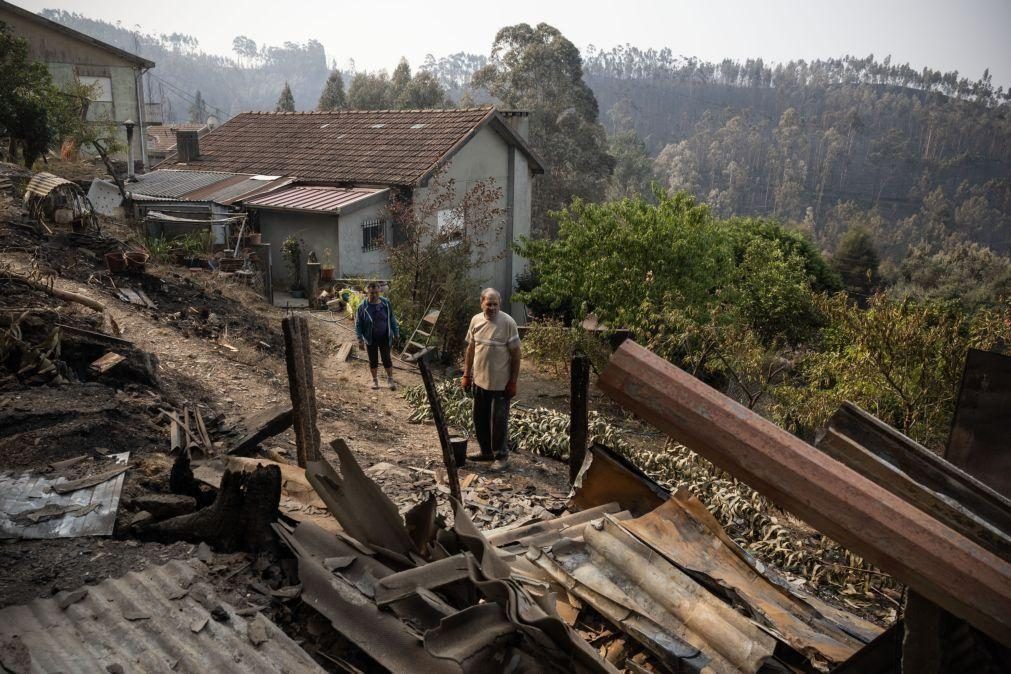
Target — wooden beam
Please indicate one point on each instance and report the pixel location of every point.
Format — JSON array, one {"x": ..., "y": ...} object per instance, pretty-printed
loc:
[
  {"x": 298, "y": 355},
  {"x": 579, "y": 384},
  {"x": 421, "y": 360},
  {"x": 900, "y": 539}
]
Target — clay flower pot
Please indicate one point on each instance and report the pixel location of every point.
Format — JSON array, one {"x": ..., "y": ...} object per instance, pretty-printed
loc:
[
  {"x": 116, "y": 262},
  {"x": 326, "y": 274},
  {"x": 136, "y": 260},
  {"x": 253, "y": 239}
]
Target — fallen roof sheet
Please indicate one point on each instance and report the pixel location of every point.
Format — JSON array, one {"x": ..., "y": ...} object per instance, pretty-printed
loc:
[
  {"x": 155, "y": 621},
  {"x": 314, "y": 198},
  {"x": 684, "y": 532},
  {"x": 884, "y": 529},
  {"x": 32, "y": 505}
]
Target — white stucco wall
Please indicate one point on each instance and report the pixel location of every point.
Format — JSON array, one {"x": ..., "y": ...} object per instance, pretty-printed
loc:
[
  {"x": 354, "y": 261},
  {"x": 484, "y": 157}
]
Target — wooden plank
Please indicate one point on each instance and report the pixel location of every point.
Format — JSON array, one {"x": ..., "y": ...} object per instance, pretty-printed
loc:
[
  {"x": 344, "y": 352},
  {"x": 922, "y": 465},
  {"x": 421, "y": 359},
  {"x": 859, "y": 458},
  {"x": 97, "y": 335},
  {"x": 146, "y": 300},
  {"x": 106, "y": 362},
  {"x": 208, "y": 445},
  {"x": 260, "y": 426}
]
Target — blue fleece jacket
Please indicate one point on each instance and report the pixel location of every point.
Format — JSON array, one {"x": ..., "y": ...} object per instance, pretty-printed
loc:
[{"x": 363, "y": 322}]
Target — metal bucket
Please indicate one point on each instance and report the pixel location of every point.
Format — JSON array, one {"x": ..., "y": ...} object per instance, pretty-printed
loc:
[{"x": 458, "y": 443}]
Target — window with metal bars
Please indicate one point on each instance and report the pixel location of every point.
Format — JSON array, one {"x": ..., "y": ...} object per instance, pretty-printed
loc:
[{"x": 373, "y": 233}]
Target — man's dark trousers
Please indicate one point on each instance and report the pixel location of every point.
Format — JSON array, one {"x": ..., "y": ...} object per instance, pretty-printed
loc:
[{"x": 491, "y": 422}]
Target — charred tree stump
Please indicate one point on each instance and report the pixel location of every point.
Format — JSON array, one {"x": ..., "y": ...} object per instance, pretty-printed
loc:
[
  {"x": 239, "y": 518},
  {"x": 298, "y": 356}
]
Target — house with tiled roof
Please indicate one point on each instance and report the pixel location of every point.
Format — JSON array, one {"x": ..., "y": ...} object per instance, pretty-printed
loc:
[
  {"x": 343, "y": 167},
  {"x": 161, "y": 140}
]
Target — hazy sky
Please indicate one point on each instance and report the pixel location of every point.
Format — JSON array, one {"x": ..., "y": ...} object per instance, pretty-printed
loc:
[{"x": 967, "y": 35}]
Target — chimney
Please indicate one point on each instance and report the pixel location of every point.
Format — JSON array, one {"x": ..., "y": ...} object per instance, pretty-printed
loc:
[
  {"x": 519, "y": 121},
  {"x": 187, "y": 146}
]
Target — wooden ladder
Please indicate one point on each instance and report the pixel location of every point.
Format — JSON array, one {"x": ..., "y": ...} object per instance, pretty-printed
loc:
[{"x": 424, "y": 331}]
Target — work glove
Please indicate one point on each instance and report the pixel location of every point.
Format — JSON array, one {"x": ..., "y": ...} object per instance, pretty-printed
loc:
[
  {"x": 466, "y": 382},
  {"x": 510, "y": 389}
]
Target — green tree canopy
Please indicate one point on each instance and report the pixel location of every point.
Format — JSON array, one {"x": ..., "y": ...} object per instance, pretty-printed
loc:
[
  {"x": 27, "y": 96},
  {"x": 370, "y": 91},
  {"x": 333, "y": 96},
  {"x": 539, "y": 70},
  {"x": 286, "y": 102},
  {"x": 856, "y": 260}
]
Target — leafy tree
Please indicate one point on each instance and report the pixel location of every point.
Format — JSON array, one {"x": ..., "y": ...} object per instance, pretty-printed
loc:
[
  {"x": 198, "y": 109},
  {"x": 370, "y": 91},
  {"x": 431, "y": 262},
  {"x": 856, "y": 261},
  {"x": 423, "y": 92},
  {"x": 286, "y": 102},
  {"x": 967, "y": 273},
  {"x": 538, "y": 69},
  {"x": 633, "y": 169},
  {"x": 333, "y": 96},
  {"x": 400, "y": 80},
  {"x": 899, "y": 359},
  {"x": 27, "y": 95},
  {"x": 245, "y": 48}
]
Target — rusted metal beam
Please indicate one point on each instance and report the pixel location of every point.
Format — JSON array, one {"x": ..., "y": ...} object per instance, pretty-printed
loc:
[
  {"x": 579, "y": 373},
  {"x": 923, "y": 553}
]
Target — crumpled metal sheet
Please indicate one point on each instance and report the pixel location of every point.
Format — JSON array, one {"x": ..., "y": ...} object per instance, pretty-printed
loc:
[
  {"x": 613, "y": 564},
  {"x": 607, "y": 477},
  {"x": 684, "y": 532},
  {"x": 155, "y": 621},
  {"x": 361, "y": 507}
]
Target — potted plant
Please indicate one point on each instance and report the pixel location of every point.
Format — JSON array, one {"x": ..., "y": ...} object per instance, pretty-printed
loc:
[
  {"x": 291, "y": 250},
  {"x": 195, "y": 247},
  {"x": 326, "y": 269}
]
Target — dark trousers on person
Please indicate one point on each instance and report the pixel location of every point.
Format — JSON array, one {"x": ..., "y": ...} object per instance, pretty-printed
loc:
[
  {"x": 379, "y": 347},
  {"x": 491, "y": 422}
]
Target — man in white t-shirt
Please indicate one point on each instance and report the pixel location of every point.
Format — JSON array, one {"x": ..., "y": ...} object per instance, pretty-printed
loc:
[{"x": 492, "y": 366}]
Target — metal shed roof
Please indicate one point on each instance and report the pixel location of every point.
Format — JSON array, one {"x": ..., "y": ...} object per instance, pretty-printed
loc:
[
  {"x": 174, "y": 184},
  {"x": 315, "y": 198},
  {"x": 155, "y": 621},
  {"x": 221, "y": 188}
]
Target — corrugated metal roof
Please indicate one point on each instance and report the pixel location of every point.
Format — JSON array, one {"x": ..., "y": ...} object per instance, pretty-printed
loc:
[
  {"x": 228, "y": 192},
  {"x": 171, "y": 183},
  {"x": 155, "y": 621},
  {"x": 314, "y": 198}
]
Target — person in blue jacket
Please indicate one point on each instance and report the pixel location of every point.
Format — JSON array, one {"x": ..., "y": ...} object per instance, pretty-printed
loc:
[{"x": 376, "y": 326}]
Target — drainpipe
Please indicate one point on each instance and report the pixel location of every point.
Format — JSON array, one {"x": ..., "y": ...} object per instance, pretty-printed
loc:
[
  {"x": 138, "y": 85},
  {"x": 129, "y": 124}
]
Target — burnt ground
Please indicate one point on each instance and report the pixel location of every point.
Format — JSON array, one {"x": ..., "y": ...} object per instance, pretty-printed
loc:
[
  {"x": 213, "y": 346},
  {"x": 217, "y": 347}
]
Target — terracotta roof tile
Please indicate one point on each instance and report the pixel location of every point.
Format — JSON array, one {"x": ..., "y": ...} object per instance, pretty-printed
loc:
[{"x": 396, "y": 147}]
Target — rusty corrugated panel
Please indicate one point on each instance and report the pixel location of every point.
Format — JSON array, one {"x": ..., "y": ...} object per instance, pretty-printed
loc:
[
  {"x": 978, "y": 443},
  {"x": 155, "y": 621},
  {"x": 900, "y": 539},
  {"x": 690, "y": 537},
  {"x": 312, "y": 198}
]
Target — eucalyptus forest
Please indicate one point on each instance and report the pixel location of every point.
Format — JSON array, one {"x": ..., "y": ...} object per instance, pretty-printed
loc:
[{"x": 796, "y": 234}]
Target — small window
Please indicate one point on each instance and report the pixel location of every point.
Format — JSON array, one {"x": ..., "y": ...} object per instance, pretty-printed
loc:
[
  {"x": 373, "y": 233},
  {"x": 450, "y": 225},
  {"x": 101, "y": 88}
]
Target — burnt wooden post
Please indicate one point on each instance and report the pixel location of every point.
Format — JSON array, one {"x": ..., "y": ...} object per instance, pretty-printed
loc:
[
  {"x": 298, "y": 355},
  {"x": 579, "y": 384},
  {"x": 420, "y": 359},
  {"x": 312, "y": 283}
]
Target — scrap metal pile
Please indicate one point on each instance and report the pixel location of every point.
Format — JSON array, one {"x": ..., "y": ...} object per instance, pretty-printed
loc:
[{"x": 675, "y": 593}]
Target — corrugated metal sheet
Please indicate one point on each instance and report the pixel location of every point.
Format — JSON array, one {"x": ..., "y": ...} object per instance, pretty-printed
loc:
[
  {"x": 42, "y": 184},
  {"x": 313, "y": 198},
  {"x": 155, "y": 621},
  {"x": 93, "y": 514},
  {"x": 228, "y": 192},
  {"x": 171, "y": 183}
]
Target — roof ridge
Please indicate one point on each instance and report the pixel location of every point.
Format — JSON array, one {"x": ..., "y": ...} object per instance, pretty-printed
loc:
[{"x": 483, "y": 108}]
